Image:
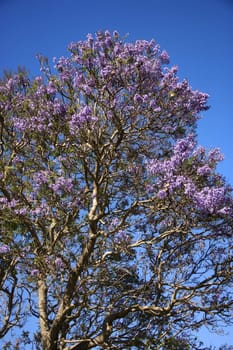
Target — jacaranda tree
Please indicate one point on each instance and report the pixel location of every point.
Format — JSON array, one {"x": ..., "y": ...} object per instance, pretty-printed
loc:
[{"x": 116, "y": 229}]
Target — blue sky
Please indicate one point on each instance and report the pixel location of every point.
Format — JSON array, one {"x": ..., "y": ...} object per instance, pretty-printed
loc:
[{"x": 197, "y": 34}]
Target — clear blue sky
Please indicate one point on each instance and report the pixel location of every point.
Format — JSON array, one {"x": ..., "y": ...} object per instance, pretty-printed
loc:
[{"x": 197, "y": 34}]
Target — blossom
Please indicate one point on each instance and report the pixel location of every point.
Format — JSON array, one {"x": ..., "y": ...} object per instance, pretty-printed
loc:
[
  {"x": 215, "y": 155},
  {"x": 162, "y": 194},
  {"x": 4, "y": 249},
  {"x": 51, "y": 89},
  {"x": 114, "y": 222},
  {"x": 210, "y": 199},
  {"x": 21, "y": 211},
  {"x": 62, "y": 184},
  {"x": 179, "y": 181},
  {"x": 41, "y": 209},
  {"x": 21, "y": 124},
  {"x": 3, "y": 201},
  {"x": 10, "y": 84},
  {"x": 115, "y": 34},
  {"x": 184, "y": 147},
  {"x": 122, "y": 237},
  {"x": 58, "y": 262},
  {"x": 34, "y": 272},
  {"x": 150, "y": 188},
  {"x": 225, "y": 210},
  {"x": 59, "y": 107},
  {"x": 40, "y": 178},
  {"x": 204, "y": 170},
  {"x": 78, "y": 80},
  {"x": 138, "y": 98},
  {"x": 164, "y": 57},
  {"x": 82, "y": 118}
]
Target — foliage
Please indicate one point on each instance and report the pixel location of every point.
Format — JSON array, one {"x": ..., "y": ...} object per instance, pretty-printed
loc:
[{"x": 116, "y": 229}]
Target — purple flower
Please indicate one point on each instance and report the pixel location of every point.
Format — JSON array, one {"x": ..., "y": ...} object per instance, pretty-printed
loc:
[
  {"x": 122, "y": 237},
  {"x": 162, "y": 194},
  {"x": 4, "y": 249},
  {"x": 3, "y": 201},
  {"x": 80, "y": 119},
  {"x": 190, "y": 188},
  {"x": 210, "y": 199},
  {"x": 225, "y": 211},
  {"x": 106, "y": 71},
  {"x": 215, "y": 155},
  {"x": 150, "y": 188},
  {"x": 78, "y": 80},
  {"x": 21, "y": 211},
  {"x": 114, "y": 222},
  {"x": 12, "y": 204},
  {"x": 138, "y": 99},
  {"x": 21, "y": 124},
  {"x": 157, "y": 109},
  {"x": 90, "y": 39},
  {"x": 36, "y": 211},
  {"x": 184, "y": 147},
  {"x": 10, "y": 84},
  {"x": 164, "y": 57},
  {"x": 204, "y": 170},
  {"x": 153, "y": 166},
  {"x": 179, "y": 181},
  {"x": 34, "y": 272},
  {"x": 51, "y": 89},
  {"x": 40, "y": 210},
  {"x": 87, "y": 89},
  {"x": 41, "y": 178},
  {"x": 62, "y": 184},
  {"x": 116, "y": 34},
  {"x": 58, "y": 263},
  {"x": 199, "y": 151},
  {"x": 64, "y": 67},
  {"x": 39, "y": 79}
]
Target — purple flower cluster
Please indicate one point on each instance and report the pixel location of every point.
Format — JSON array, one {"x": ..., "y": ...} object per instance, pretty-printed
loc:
[
  {"x": 162, "y": 194},
  {"x": 64, "y": 67},
  {"x": 128, "y": 78},
  {"x": 61, "y": 185},
  {"x": 40, "y": 209},
  {"x": 204, "y": 170},
  {"x": 40, "y": 178},
  {"x": 215, "y": 155},
  {"x": 135, "y": 65},
  {"x": 185, "y": 170},
  {"x": 34, "y": 272},
  {"x": 34, "y": 108},
  {"x": 10, "y": 204},
  {"x": 211, "y": 199},
  {"x": 58, "y": 263},
  {"x": 181, "y": 151},
  {"x": 82, "y": 119},
  {"x": 105, "y": 83},
  {"x": 40, "y": 120},
  {"x": 4, "y": 249},
  {"x": 21, "y": 211},
  {"x": 122, "y": 238}
]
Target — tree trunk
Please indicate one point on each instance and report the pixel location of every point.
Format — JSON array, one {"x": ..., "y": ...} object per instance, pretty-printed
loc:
[{"x": 43, "y": 317}]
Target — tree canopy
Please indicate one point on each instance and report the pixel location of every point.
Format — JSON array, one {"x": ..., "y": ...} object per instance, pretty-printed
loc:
[{"x": 116, "y": 228}]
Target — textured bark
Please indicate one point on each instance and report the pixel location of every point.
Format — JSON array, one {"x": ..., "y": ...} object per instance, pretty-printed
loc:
[{"x": 43, "y": 317}]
